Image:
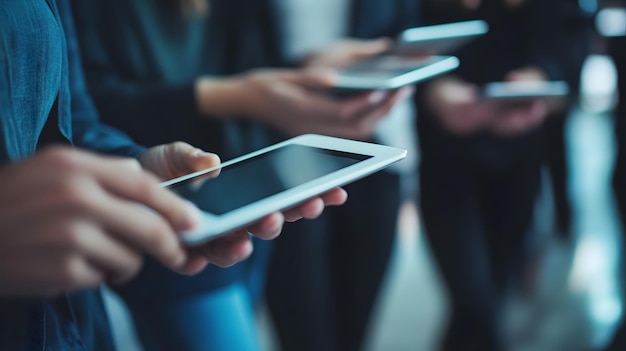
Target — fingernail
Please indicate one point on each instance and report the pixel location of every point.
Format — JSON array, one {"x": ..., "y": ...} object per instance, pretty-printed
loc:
[
  {"x": 201, "y": 153},
  {"x": 376, "y": 97},
  {"x": 247, "y": 249}
]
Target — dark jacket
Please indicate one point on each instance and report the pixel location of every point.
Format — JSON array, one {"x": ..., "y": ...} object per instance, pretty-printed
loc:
[
  {"x": 549, "y": 34},
  {"x": 260, "y": 31},
  {"x": 141, "y": 60}
]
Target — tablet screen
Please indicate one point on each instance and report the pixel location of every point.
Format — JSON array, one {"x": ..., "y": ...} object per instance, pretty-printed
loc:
[{"x": 261, "y": 176}]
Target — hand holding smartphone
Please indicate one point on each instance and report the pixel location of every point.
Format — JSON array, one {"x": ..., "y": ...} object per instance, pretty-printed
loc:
[
  {"x": 418, "y": 54},
  {"x": 526, "y": 91}
]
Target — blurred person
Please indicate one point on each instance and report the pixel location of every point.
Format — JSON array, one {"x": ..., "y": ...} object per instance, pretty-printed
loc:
[
  {"x": 69, "y": 218},
  {"x": 187, "y": 70},
  {"x": 617, "y": 50},
  {"x": 481, "y": 161},
  {"x": 319, "y": 296}
]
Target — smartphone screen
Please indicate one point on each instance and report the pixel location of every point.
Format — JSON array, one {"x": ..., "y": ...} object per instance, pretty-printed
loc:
[{"x": 261, "y": 176}]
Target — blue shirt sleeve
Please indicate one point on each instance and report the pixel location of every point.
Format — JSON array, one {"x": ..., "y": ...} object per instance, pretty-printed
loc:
[{"x": 87, "y": 129}]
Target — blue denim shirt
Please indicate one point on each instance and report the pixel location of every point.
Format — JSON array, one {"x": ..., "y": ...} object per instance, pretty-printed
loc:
[
  {"x": 40, "y": 63},
  {"x": 39, "y": 71}
]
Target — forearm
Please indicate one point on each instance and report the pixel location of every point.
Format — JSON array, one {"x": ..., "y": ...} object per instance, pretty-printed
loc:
[{"x": 221, "y": 98}]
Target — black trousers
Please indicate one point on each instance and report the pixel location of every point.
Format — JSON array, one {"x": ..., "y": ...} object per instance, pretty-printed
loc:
[
  {"x": 476, "y": 224},
  {"x": 554, "y": 148},
  {"x": 325, "y": 275}
]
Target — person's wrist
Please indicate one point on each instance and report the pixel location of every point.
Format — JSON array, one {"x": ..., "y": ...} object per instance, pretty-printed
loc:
[
  {"x": 220, "y": 97},
  {"x": 243, "y": 88}
]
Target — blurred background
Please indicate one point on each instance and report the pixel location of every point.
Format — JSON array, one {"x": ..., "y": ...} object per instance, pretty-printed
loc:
[{"x": 571, "y": 299}]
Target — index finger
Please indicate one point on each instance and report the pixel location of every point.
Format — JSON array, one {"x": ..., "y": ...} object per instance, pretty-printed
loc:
[{"x": 126, "y": 179}]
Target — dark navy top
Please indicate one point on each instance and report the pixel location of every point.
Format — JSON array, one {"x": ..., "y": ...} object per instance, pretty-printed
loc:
[
  {"x": 548, "y": 34},
  {"x": 141, "y": 59}
]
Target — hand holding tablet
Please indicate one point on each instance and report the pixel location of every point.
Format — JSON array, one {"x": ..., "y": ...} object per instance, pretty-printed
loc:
[
  {"x": 387, "y": 72},
  {"x": 275, "y": 178}
]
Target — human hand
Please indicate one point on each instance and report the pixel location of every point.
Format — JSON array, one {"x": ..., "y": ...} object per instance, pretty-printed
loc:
[
  {"x": 459, "y": 106},
  {"x": 346, "y": 52},
  {"x": 71, "y": 220},
  {"x": 519, "y": 118},
  {"x": 293, "y": 102},
  {"x": 176, "y": 159},
  {"x": 526, "y": 74}
]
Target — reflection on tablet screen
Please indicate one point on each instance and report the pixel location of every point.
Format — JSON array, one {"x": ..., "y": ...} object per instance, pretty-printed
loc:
[{"x": 267, "y": 174}]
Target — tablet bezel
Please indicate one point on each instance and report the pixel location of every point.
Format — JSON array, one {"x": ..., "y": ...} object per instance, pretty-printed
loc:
[
  {"x": 439, "y": 39},
  {"x": 438, "y": 65},
  {"x": 525, "y": 90},
  {"x": 212, "y": 226}
]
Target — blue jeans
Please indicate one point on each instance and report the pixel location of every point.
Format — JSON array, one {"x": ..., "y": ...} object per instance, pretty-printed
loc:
[{"x": 219, "y": 320}]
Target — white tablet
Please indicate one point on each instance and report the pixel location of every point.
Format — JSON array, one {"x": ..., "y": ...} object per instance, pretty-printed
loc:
[
  {"x": 438, "y": 39},
  {"x": 245, "y": 189},
  {"x": 521, "y": 91},
  {"x": 392, "y": 72}
]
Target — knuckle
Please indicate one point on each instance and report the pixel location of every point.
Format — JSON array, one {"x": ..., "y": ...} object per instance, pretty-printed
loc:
[
  {"x": 135, "y": 264},
  {"x": 147, "y": 187},
  {"x": 132, "y": 267},
  {"x": 131, "y": 165},
  {"x": 158, "y": 236},
  {"x": 62, "y": 158},
  {"x": 71, "y": 236},
  {"x": 178, "y": 145},
  {"x": 72, "y": 271},
  {"x": 76, "y": 191}
]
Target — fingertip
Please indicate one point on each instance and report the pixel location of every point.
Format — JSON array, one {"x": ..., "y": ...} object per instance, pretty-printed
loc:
[
  {"x": 325, "y": 76},
  {"x": 192, "y": 216},
  {"x": 313, "y": 209},
  {"x": 337, "y": 197},
  {"x": 376, "y": 97},
  {"x": 278, "y": 219},
  {"x": 242, "y": 249},
  {"x": 384, "y": 42},
  {"x": 246, "y": 250},
  {"x": 180, "y": 259},
  {"x": 194, "y": 265},
  {"x": 226, "y": 251},
  {"x": 203, "y": 159},
  {"x": 269, "y": 227}
]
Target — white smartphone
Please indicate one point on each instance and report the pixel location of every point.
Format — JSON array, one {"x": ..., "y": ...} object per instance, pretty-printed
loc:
[
  {"x": 388, "y": 72},
  {"x": 438, "y": 39},
  {"x": 243, "y": 190},
  {"x": 524, "y": 91}
]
